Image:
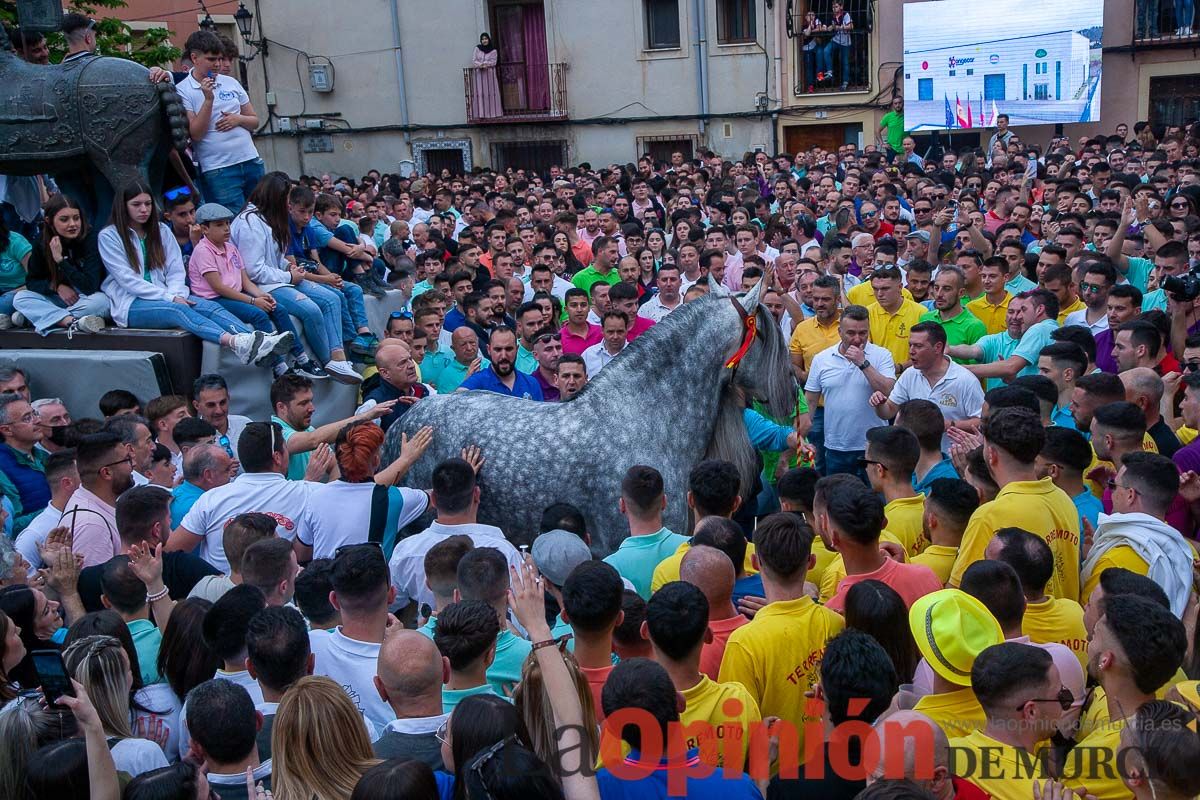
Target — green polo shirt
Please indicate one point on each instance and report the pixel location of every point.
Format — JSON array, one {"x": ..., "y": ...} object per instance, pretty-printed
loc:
[
  {"x": 297, "y": 462},
  {"x": 588, "y": 276},
  {"x": 637, "y": 557},
  {"x": 452, "y": 373},
  {"x": 525, "y": 361},
  {"x": 966, "y": 328}
]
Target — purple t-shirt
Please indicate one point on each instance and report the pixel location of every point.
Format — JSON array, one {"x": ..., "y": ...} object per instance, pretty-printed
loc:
[{"x": 1104, "y": 357}]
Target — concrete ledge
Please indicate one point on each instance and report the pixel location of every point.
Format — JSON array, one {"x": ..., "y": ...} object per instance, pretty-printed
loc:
[{"x": 80, "y": 377}]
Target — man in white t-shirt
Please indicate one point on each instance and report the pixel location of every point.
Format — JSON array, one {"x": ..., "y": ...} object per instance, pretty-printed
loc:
[
  {"x": 455, "y": 495},
  {"x": 934, "y": 377},
  {"x": 220, "y": 121},
  {"x": 210, "y": 396},
  {"x": 668, "y": 298},
  {"x": 63, "y": 477},
  {"x": 262, "y": 488},
  {"x": 846, "y": 375}
]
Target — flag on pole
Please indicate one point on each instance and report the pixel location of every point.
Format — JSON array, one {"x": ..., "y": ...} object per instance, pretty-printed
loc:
[
  {"x": 949, "y": 113},
  {"x": 959, "y": 114},
  {"x": 981, "y": 112},
  {"x": 969, "y": 121},
  {"x": 995, "y": 114}
]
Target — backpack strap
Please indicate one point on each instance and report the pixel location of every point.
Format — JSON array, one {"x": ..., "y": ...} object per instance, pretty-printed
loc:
[{"x": 379, "y": 513}]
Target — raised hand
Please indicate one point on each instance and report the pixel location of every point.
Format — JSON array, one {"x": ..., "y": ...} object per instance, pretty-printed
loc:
[
  {"x": 473, "y": 456},
  {"x": 527, "y": 599},
  {"x": 412, "y": 449},
  {"x": 145, "y": 561},
  {"x": 321, "y": 464}
]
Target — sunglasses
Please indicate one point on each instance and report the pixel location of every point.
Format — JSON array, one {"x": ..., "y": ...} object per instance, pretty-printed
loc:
[
  {"x": 1191, "y": 366},
  {"x": 547, "y": 337},
  {"x": 1064, "y": 698},
  {"x": 400, "y": 315},
  {"x": 176, "y": 193}
]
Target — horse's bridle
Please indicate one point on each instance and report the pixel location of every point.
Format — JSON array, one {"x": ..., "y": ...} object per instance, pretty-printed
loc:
[{"x": 750, "y": 328}]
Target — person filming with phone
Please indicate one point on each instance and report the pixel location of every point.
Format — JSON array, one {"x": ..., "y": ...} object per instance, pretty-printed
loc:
[{"x": 220, "y": 121}]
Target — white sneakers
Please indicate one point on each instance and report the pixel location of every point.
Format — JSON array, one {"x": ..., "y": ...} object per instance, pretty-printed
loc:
[
  {"x": 256, "y": 347},
  {"x": 342, "y": 372},
  {"x": 89, "y": 324}
]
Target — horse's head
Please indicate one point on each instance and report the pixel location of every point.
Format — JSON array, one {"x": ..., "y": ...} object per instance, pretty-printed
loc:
[{"x": 762, "y": 368}]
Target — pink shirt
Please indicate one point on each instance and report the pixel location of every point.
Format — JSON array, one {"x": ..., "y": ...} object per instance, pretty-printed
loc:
[
  {"x": 640, "y": 326},
  {"x": 226, "y": 263},
  {"x": 577, "y": 344},
  {"x": 911, "y": 582},
  {"x": 94, "y": 524},
  {"x": 712, "y": 653}
]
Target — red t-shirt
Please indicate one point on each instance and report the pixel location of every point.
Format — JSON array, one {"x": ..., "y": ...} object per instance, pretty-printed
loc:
[{"x": 911, "y": 582}]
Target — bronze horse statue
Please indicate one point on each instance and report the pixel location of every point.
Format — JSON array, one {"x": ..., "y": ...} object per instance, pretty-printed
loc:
[{"x": 93, "y": 122}]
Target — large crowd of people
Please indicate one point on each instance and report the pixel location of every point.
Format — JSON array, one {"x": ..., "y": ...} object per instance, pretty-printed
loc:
[{"x": 966, "y": 569}]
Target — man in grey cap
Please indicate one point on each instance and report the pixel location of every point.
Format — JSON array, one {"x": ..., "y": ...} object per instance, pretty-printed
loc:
[
  {"x": 556, "y": 553},
  {"x": 917, "y": 247}
]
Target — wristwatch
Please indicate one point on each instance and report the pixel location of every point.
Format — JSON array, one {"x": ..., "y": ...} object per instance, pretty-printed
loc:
[{"x": 866, "y": 365}]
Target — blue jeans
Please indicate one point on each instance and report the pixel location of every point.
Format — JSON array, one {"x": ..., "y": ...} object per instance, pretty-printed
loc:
[
  {"x": 205, "y": 319},
  {"x": 842, "y": 51},
  {"x": 230, "y": 186},
  {"x": 1146, "y": 26},
  {"x": 319, "y": 310},
  {"x": 260, "y": 320},
  {"x": 845, "y": 462},
  {"x": 6, "y": 301},
  {"x": 44, "y": 312},
  {"x": 1184, "y": 11},
  {"x": 354, "y": 310}
]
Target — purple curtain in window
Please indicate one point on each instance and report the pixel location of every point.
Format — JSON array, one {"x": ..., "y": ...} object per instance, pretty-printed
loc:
[{"x": 537, "y": 68}]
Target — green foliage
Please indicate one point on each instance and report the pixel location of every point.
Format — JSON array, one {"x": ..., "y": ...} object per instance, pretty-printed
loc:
[{"x": 113, "y": 37}]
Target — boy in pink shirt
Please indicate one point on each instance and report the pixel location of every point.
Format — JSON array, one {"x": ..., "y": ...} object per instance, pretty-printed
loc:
[{"x": 217, "y": 272}]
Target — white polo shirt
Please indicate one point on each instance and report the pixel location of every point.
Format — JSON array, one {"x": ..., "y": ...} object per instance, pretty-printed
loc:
[
  {"x": 219, "y": 149},
  {"x": 407, "y": 564},
  {"x": 353, "y": 665},
  {"x": 653, "y": 309},
  {"x": 1080, "y": 318},
  {"x": 265, "y": 492},
  {"x": 958, "y": 393},
  {"x": 846, "y": 390},
  {"x": 339, "y": 513}
]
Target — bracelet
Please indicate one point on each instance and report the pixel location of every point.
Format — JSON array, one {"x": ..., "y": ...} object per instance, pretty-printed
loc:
[
  {"x": 544, "y": 643},
  {"x": 153, "y": 598}
]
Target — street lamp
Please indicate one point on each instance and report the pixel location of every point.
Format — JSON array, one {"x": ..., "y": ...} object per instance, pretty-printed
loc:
[{"x": 245, "y": 21}]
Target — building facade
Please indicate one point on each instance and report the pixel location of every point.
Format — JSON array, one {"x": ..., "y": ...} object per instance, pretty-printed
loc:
[{"x": 389, "y": 85}]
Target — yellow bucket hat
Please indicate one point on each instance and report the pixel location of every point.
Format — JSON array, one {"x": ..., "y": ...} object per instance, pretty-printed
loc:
[{"x": 952, "y": 628}]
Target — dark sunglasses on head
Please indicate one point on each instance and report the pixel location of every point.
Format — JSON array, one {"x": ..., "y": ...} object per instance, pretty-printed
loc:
[
  {"x": 181, "y": 191},
  {"x": 400, "y": 315},
  {"x": 547, "y": 337}
]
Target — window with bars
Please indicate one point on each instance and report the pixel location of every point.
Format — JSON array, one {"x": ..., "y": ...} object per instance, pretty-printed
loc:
[
  {"x": 662, "y": 24},
  {"x": 735, "y": 21},
  {"x": 817, "y": 56},
  {"x": 660, "y": 148}
]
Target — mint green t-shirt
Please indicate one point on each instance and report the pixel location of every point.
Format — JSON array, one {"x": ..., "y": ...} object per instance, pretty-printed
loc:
[
  {"x": 996, "y": 347},
  {"x": 12, "y": 267},
  {"x": 637, "y": 557},
  {"x": 297, "y": 462}
]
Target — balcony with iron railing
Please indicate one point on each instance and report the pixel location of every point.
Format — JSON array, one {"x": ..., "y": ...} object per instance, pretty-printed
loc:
[
  {"x": 515, "y": 92},
  {"x": 828, "y": 61},
  {"x": 1165, "y": 23}
]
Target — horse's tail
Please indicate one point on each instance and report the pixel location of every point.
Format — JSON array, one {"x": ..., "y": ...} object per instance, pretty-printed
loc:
[{"x": 176, "y": 116}]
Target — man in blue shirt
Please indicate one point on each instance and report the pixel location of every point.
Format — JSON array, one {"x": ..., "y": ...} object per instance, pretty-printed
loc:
[
  {"x": 205, "y": 466},
  {"x": 398, "y": 380},
  {"x": 502, "y": 376},
  {"x": 22, "y": 464}
]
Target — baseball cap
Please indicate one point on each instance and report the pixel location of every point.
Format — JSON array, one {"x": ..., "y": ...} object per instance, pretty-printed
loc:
[
  {"x": 557, "y": 552},
  {"x": 922, "y": 235},
  {"x": 952, "y": 628},
  {"x": 212, "y": 212}
]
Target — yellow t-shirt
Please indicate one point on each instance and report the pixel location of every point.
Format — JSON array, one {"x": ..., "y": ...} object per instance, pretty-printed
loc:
[
  {"x": 1100, "y": 747},
  {"x": 939, "y": 558},
  {"x": 824, "y": 557},
  {"x": 777, "y": 657},
  {"x": 811, "y": 337},
  {"x": 1185, "y": 434},
  {"x": 864, "y": 295},
  {"x": 993, "y": 317},
  {"x": 1071, "y": 309},
  {"x": 957, "y": 713},
  {"x": 668, "y": 569},
  {"x": 1039, "y": 507},
  {"x": 1148, "y": 446},
  {"x": 1001, "y": 770},
  {"x": 903, "y": 517},
  {"x": 727, "y": 709},
  {"x": 891, "y": 331},
  {"x": 1190, "y": 692},
  {"x": 1057, "y": 619},
  {"x": 835, "y": 571}
]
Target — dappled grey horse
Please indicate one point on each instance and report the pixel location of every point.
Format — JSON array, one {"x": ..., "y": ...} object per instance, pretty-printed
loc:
[{"x": 667, "y": 401}]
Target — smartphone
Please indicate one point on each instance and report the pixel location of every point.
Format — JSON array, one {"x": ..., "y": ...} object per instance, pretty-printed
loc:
[
  {"x": 52, "y": 675},
  {"x": 952, "y": 205}
]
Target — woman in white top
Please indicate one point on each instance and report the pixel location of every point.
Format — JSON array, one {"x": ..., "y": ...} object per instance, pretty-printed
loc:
[
  {"x": 339, "y": 513},
  {"x": 101, "y": 665},
  {"x": 147, "y": 286},
  {"x": 262, "y": 233}
]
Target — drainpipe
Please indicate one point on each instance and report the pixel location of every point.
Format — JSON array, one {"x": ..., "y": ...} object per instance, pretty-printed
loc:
[
  {"x": 700, "y": 34},
  {"x": 393, "y": 5}
]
